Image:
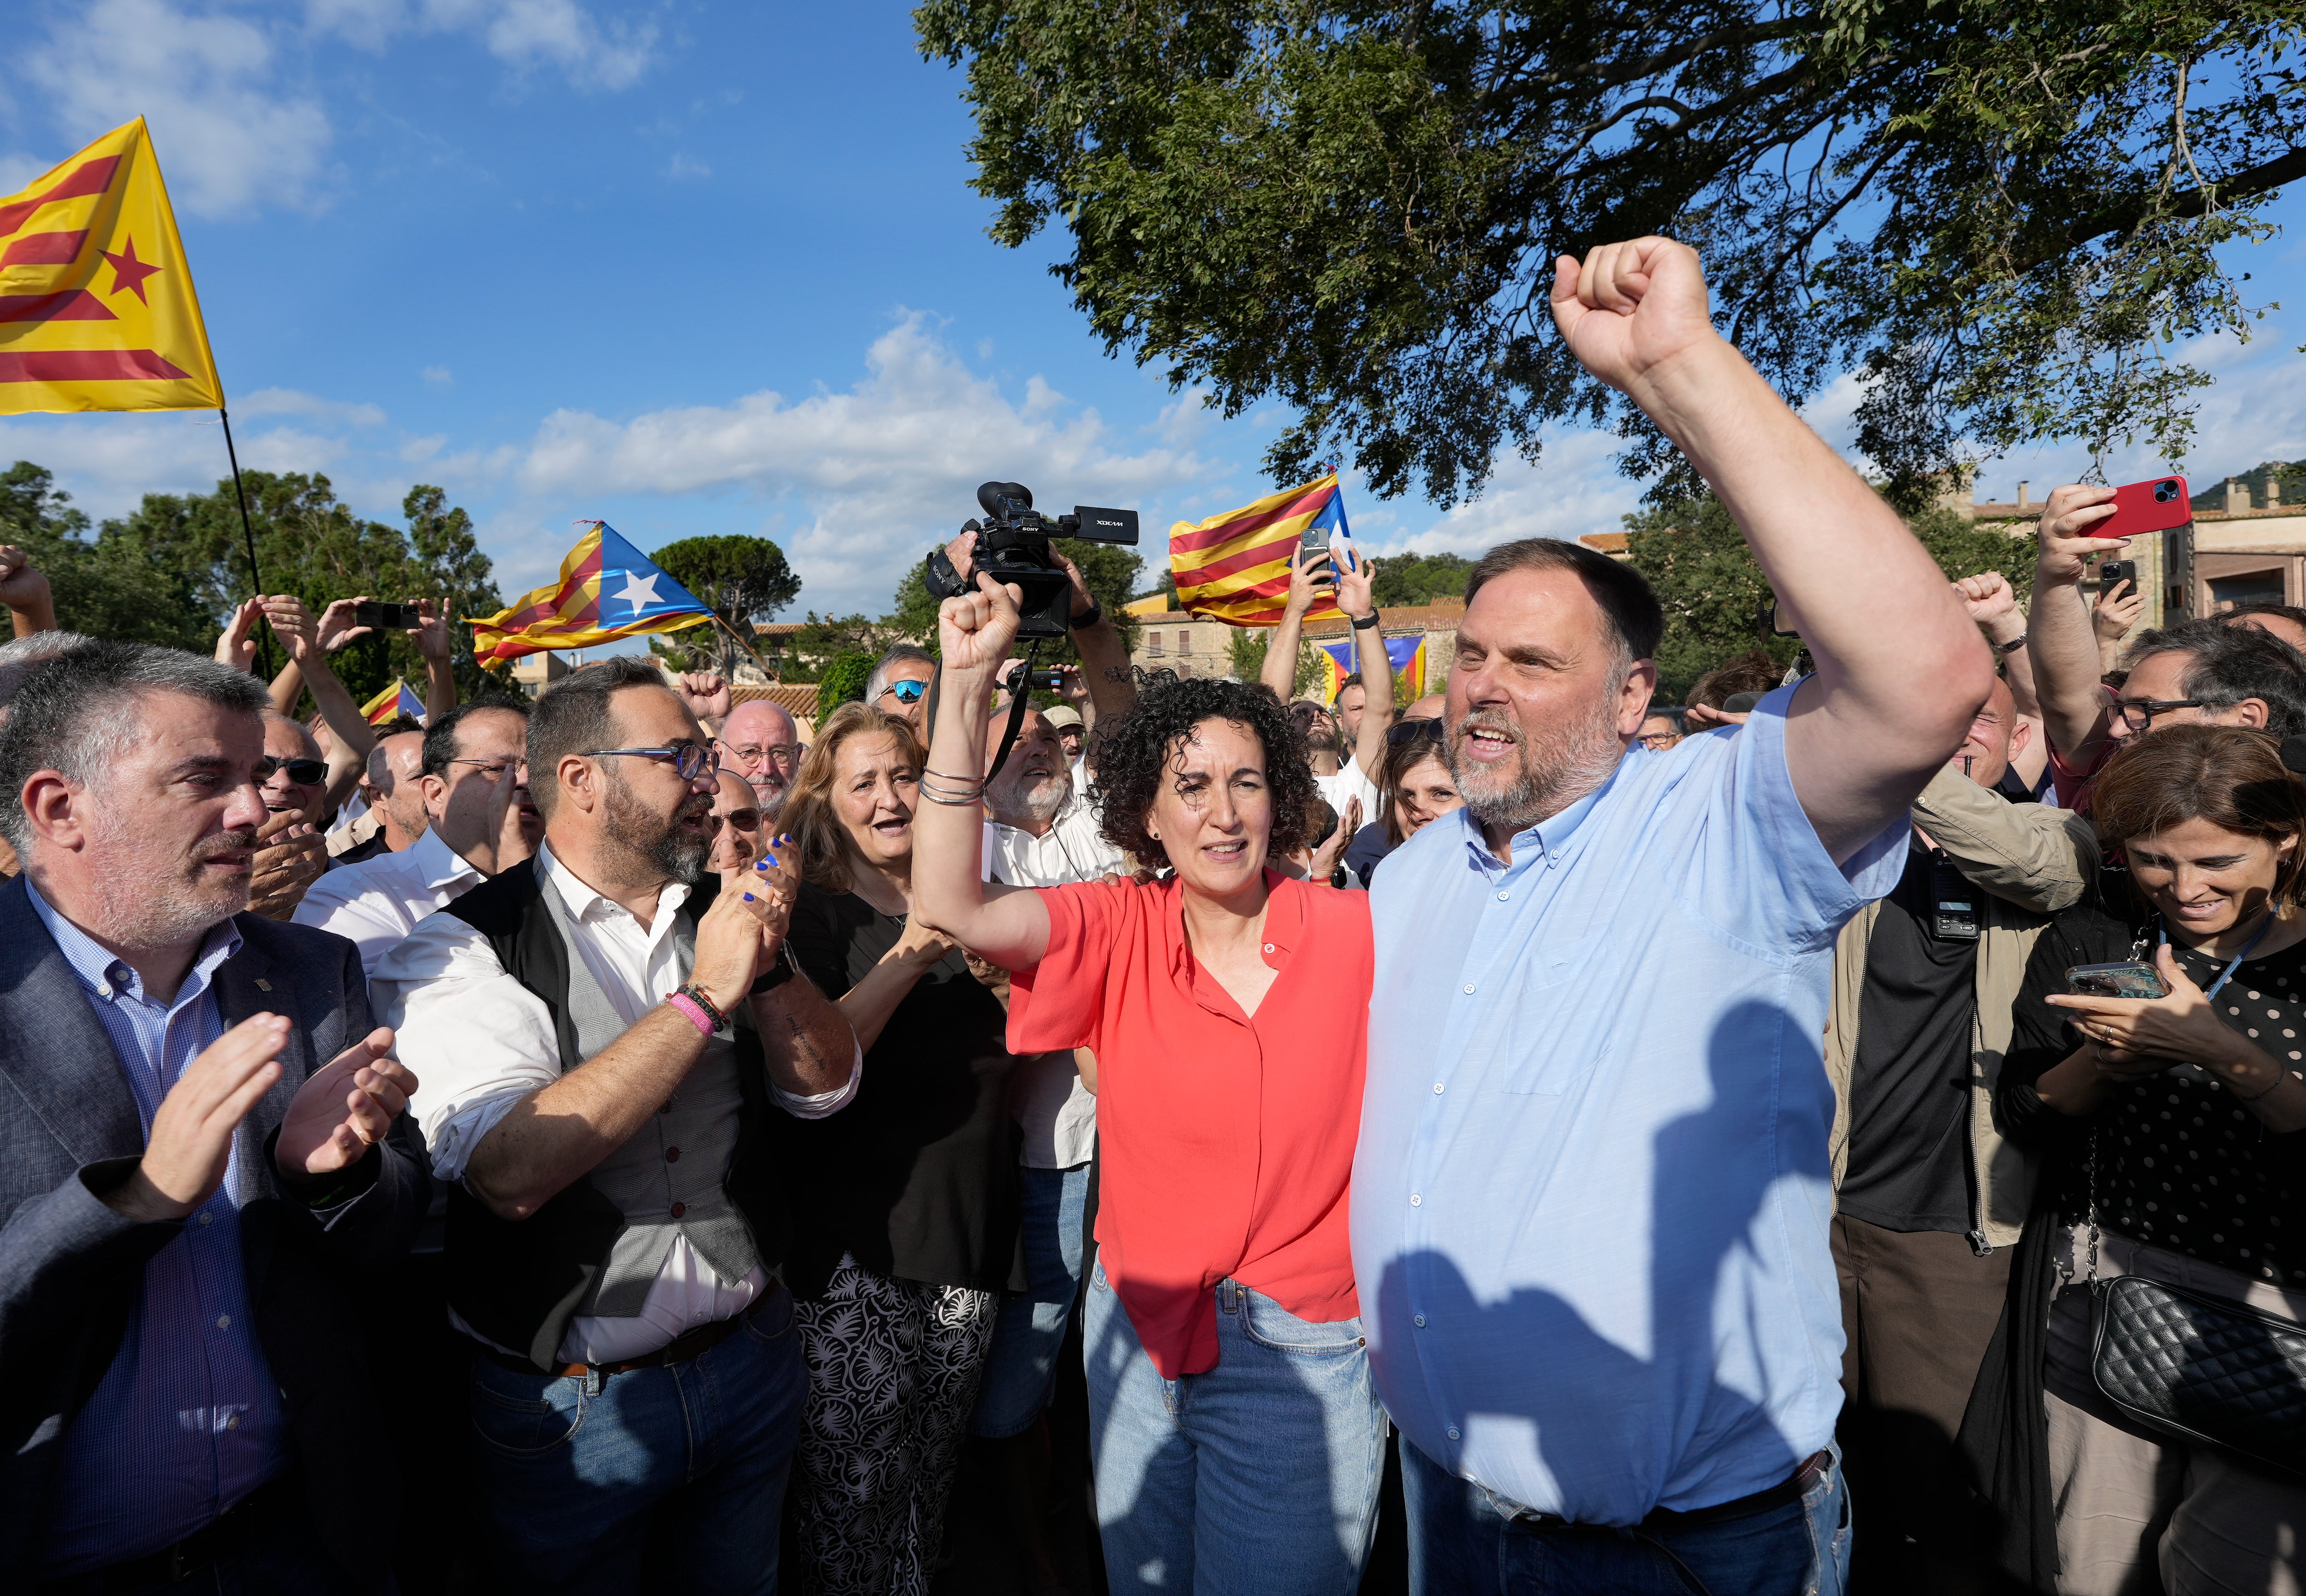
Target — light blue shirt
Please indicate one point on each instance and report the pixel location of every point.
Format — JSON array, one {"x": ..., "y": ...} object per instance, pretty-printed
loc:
[
  {"x": 187, "y": 1419},
  {"x": 1591, "y": 1200}
]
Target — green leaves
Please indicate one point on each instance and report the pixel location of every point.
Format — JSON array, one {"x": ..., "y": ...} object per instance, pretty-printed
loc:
[
  {"x": 741, "y": 579},
  {"x": 2005, "y": 213}
]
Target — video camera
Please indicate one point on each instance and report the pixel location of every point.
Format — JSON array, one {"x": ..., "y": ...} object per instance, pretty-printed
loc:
[{"x": 1012, "y": 546}]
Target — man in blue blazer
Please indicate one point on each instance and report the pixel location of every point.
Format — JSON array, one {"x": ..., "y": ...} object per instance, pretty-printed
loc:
[{"x": 201, "y": 1148}]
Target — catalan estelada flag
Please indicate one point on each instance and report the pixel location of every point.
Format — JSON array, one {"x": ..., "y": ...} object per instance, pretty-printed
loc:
[
  {"x": 1234, "y": 568},
  {"x": 1406, "y": 655},
  {"x": 393, "y": 703},
  {"x": 96, "y": 307},
  {"x": 606, "y": 590}
]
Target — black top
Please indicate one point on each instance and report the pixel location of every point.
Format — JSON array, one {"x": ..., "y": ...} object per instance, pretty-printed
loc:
[
  {"x": 1909, "y": 1166},
  {"x": 2181, "y": 1164},
  {"x": 1367, "y": 848},
  {"x": 917, "y": 1178}
]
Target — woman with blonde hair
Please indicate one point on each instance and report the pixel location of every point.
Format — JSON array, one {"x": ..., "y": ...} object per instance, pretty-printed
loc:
[
  {"x": 2173, "y": 1130},
  {"x": 904, "y": 1203}
]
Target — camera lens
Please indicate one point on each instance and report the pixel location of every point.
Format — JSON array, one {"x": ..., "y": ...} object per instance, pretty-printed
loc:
[{"x": 2164, "y": 493}]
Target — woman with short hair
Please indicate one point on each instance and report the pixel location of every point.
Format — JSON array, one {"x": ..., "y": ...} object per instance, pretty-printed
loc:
[
  {"x": 1239, "y": 1443},
  {"x": 905, "y": 1203},
  {"x": 2173, "y": 1130}
]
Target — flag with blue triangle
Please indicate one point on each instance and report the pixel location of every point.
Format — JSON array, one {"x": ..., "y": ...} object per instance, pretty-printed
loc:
[{"x": 607, "y": 590}]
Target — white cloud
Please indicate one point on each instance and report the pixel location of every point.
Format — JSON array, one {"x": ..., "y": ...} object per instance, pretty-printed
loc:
[
  {"x": 524, "y": 34},
  {"x": 879, "y": 471},
  {"x": 229, "y": 139},
  {"x": 1575, "y": 488},
  {"x": 288, "y": 401},
  {"x": 683, "y": 168},
  {"x": 440, "y": 376},
  {"x": 109, "y": 463}
]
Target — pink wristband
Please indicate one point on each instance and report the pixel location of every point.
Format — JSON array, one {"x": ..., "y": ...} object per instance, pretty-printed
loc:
[{"x": 689, "y": 1006}]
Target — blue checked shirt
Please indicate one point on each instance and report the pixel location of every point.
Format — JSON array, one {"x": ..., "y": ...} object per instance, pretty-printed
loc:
[
  {"x": 187, "y": 1420},
  {"x": 1590, "y": 1200}
]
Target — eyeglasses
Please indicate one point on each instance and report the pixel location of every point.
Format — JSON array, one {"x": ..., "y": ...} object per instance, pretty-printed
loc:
[
  {"x": 689, "y": 760},
  {"x": 1411, "y": 729},
  {"x": 744, "y": 820},
  {"x": 303, "y": 773},
  {"x": 907, "y": 691},
  {"x": 1659, "y": 740},
  {"x": 493, "y": 769},
  {"x": 783, "y": 754},
  {"x": 2138, "y": 713}
]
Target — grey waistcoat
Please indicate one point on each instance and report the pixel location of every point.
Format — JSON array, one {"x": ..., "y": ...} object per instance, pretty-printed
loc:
[{"x": 667, "y": 1179}]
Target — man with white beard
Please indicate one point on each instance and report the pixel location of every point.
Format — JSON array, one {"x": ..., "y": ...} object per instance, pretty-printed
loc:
[{"x": 1043, "y": 833}]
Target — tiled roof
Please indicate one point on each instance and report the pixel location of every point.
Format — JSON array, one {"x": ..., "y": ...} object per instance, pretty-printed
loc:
[{"x": 795, "y": 698}]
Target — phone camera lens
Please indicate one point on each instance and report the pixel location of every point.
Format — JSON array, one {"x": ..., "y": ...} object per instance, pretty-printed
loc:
[{"x": 2164, "y": 493}]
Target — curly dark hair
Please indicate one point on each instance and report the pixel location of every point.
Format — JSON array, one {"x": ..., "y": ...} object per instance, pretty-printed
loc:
[{"x": 1138, "y": 756}]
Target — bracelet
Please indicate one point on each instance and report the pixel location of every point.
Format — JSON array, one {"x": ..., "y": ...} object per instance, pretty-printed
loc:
[
  {"x": 701, "y": 1011},
  {"x": 2011, "y": 647},
  {"x": 974, "y": 800},
  {"x": 964, "y": 780},
  {"x": 1365, "y": 622},
  {"x": 1081, "y": 623},
  {"x": 2280, "y": 1075}
]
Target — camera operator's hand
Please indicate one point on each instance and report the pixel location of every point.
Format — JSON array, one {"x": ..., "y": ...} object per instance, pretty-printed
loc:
[
  {"x": 975, "y": 630},
  {"x": 962, "y": 552},
  {"x": 1073, "y": 686},
  {"x": 1082, "y": 600}
]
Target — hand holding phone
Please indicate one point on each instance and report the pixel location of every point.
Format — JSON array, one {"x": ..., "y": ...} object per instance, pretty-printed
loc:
[
  {"x": 379, "y": 616},
  {"x": 2124, "y": 978},
  {"x": 2158, "y": 505}
]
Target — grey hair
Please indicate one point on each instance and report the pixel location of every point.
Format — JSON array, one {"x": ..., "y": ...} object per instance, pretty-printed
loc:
[
  {"x": 79, "y": 714},
  {"x": 20, "y": 656},
  {"x": 2228, "y": 664},
  {"x": 904, "y": 653}
]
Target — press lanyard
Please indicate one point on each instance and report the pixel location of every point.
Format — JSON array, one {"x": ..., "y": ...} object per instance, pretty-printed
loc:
[{"x": 2232, "y": 964}]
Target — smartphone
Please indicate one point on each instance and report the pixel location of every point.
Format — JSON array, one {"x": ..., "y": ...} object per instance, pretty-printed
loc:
[
  {"x": 2111, "y": 571},
  {"x": 1313, "y": 541},
  {"x": 386, "y": 618},
  {"x": 2129, "y": 978},
  {"x": 2154, "y": 506}
]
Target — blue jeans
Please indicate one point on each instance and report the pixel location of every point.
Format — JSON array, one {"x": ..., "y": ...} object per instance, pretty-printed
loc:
[
  {"x": 1462, "y": 1544},
  {"x": 1260, "y": 1476},
  {"x": 1022, "y": 1370},
  {"x": 575, "y": 1479}
]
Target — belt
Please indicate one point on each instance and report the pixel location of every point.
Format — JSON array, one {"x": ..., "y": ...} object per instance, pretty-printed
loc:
[
  {"x": 681, "y": 1349},
  {"x": 218, "y": 1539},
  {"x": 1789, "y": 1490}
]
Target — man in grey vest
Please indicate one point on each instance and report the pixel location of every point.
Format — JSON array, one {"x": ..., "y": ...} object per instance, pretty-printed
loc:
[{"x": 604, "y": 1074}]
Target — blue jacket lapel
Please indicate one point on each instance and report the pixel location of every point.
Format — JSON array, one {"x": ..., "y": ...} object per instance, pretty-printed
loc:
[{"x": 52, "y": 1048}]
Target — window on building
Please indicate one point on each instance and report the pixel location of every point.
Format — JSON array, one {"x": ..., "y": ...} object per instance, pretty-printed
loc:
[
  {"x": 1153, "y": 642},
  {"x": 2251, "y": 587}
]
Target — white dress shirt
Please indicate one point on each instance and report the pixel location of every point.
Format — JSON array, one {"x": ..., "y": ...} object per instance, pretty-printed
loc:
[
  {"x": 378, "y": 901},
  {"x": 479, "y": 1042},
  {"x": 1055, "y": 1111}
]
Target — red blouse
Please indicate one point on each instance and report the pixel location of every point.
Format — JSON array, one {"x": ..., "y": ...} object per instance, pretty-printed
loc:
[{"x": 1227, "y": 1140}]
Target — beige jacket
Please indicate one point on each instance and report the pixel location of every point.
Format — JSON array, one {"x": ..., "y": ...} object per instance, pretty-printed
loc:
[{"x": 2040, "y": 860}]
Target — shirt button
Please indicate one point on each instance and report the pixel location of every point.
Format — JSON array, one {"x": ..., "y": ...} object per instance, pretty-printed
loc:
[
  {"x": 1415, "y": 1201},
  {"x": 672, "y": 1155},
  {"x": 680, "y": 1209},
  {"x": 1453, "y": 1433},
  {"x": 232, "y": 1421},
  {"x": 1269, "y": 947},
  {"x": 207, "y": 1218},
  {"x": 1419, "y": 1321},
  {"x": 223, "y": 1321},
  {"x": 1436, "y": 1088},
  {"x": 1503, "y": 896},
  {"x": 1469, "y": 986}
]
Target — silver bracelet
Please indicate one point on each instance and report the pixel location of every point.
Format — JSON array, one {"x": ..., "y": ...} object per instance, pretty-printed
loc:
[{"x": 974, "y": 801}]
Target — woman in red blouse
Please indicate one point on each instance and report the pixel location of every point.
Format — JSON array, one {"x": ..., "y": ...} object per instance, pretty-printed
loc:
[{"x": 1238, "y": 1439}]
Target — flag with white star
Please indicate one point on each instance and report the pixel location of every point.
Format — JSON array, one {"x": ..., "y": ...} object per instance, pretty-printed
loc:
[
  {"x": 607, "y": 590},
  {"x": 96, "y": 307}
]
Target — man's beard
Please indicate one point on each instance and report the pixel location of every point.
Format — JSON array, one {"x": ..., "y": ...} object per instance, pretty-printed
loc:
[
  {"x": 1547, "y": 773},
  {"x": 143, "y": 904},
  {"x": 655, "y": 837},
  {"x": 1037, "y": 799},
  {"x": 769, "y": 793}
]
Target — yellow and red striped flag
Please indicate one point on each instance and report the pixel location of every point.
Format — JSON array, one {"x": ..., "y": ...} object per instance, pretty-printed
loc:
[
  {"x": 606, "y": 590},
  {"x": 393, "y": 703},
  {"x": 1234, "y": 568},
  {"x": 97, "y": 307}
]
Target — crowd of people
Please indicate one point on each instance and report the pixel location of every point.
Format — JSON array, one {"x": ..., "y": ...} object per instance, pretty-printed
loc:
[{"x": 611, "y": 1144}]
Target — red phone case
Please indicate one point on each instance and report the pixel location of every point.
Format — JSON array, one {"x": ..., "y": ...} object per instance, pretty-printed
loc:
[{"x": 2155, "y": 505}]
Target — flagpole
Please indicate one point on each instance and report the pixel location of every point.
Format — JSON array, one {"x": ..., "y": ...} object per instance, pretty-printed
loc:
[
  {"x": 247, "y": 533},
  {"x": 742, "y": 644}
]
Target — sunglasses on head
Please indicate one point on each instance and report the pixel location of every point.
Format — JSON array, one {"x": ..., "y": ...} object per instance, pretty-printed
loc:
[
  {"x": 303, "y": 773},
  {"x": 907, "y": 691},
  {"x": 1410, "y": 731}
]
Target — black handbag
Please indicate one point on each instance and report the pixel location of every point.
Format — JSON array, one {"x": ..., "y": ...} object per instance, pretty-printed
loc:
[{"x": 2196, "y": 1367}]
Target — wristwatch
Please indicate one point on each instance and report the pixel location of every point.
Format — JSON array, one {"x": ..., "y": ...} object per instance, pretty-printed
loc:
[
  {"x": 2011, "y": 647},
  {"x": 1081, "y": 623},
  {"x": 1363, "y": 623}
]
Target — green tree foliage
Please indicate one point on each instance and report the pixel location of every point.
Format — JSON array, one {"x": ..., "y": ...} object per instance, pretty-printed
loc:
[
  {"x": 2002, "y": 212},
  {"x": 311, "y": 544},
  {"x": 741, "y": 579},
  {"x": 1110, "y": 569},
  {"x": 1404, "y": 579},
  {"x": 105, "y": 587},
  {"x": 843, "y": 682},
  {"x": 1713, "y": 593},
  {"x": 2290, "y": 474}
]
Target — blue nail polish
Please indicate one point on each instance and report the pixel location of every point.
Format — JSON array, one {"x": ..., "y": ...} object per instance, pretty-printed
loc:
[
  {"x": 773, "y": 859},
  {"x": 748, "y": 897}
]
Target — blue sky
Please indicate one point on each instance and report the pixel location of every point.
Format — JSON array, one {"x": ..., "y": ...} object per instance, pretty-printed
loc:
[{"x": 695, "y": 269}]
